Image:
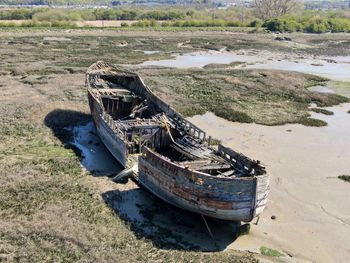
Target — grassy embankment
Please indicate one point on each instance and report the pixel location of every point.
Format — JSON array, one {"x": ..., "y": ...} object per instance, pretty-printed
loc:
[{"x": 344, "y": 177}]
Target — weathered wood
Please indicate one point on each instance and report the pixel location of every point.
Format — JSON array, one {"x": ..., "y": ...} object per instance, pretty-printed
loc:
[{"x": 173, "y": 155}]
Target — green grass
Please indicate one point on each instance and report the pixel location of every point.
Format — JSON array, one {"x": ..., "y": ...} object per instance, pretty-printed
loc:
[
  {"x": 270, "y": 252},
  {"x": 215, "y": 141},
  {"x": 264, "y": 97},
  {"x": 51, "y": 211},
  {"x": 344, "y": 177},
  {"x": 323, "y": 111},
  {"x": 231, "y": 115},
  {"x": 312, "y": 122},
  {"x": 340, "y": 87}
]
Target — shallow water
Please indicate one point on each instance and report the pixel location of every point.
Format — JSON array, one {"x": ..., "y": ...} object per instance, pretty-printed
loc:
[
  {"x": 334, "y": 71},
  {"x": 150, "y": 52},
  {"x": 95, "y": 156},
  {"x": 200, "y": 59},
  {"x": 336, "y": 68},
  {"x": 322, "y": 89}
]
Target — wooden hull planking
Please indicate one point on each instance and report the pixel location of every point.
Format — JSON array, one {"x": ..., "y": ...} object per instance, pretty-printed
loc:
[{"x": 229, "y": 198}]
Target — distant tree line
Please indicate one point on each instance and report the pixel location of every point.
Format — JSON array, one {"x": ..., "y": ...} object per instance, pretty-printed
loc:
[
  {"x": 274, "y": 15},
  {"x": 48, "y": 14},
  {"x": 313, "y": 24},
  {"x": 115, "y": 14},
  {"x": 55, "y": 2}
]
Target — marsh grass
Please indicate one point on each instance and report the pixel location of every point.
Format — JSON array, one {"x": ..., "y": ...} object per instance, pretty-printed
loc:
[
  {"x": 51, "y": 211},
  {"x": 340, "y": 87},
  {"x": 264, "y": 97},
  {"x": 306, "y": 121},
  {"x": 345, "y": 178},
  {"x": 270, "y": 252},
  {"x": 215, "y": 141},
  {"x": 323, "y": 111}
]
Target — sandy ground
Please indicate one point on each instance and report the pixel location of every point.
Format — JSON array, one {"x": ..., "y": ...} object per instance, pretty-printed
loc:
[{"x": 310, "y": 204}]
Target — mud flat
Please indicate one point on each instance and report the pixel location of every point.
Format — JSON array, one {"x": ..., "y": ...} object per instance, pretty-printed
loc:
[
  {"x": 312, "y": 217},
  {"x": 336, "y": 68},
  {"x": 307, "y": 217}
]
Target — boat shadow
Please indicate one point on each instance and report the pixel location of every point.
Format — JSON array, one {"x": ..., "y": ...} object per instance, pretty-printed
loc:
[
  {"x": 167, "y": 226},
  {"x": 149, "y": 217}
]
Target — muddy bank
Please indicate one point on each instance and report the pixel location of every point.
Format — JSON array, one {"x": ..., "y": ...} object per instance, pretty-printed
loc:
[{"x": 312, "y": 220}]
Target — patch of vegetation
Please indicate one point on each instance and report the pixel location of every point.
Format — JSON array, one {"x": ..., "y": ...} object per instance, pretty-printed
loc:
[
  {"x": 241, "y": 95},
  {"x": 33, "y": 23},
  {"x": 244, "y": 230},
  {"x": 314, "y": 80},
  {"x": 323, "y": 111},
  {"x": 344, "y": 177},
  {"x": 215, "y": 141},
  {"x": 340, "y": 87},
  {"x": 218, "y": 66},
  {"x": 312, "y": 122},
  {"x": 313, "y": 24},
  {"x": 232, "y": 115},
  {"x": 270, "y": 252}
]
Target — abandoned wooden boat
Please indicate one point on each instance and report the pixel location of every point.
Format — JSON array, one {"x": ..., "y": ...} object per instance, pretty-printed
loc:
[{"x": 167, "y": 154}]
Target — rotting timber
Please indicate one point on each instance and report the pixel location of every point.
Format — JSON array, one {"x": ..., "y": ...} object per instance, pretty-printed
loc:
[{"x": 167, "y": 154}]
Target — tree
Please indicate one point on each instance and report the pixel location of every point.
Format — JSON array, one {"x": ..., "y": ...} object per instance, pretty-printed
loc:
[{"x": 268, "y": 9}]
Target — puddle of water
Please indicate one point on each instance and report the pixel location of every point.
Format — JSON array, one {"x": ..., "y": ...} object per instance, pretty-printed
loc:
[
  {"x": 338, "y": 69},
  {"x": 339, "y": 59},
  {"x": 95, "y": 156},
  {"x": 200, "y": 59},
  {"x": 322, "y": 89},
  {"x": 335, "y": 71},
  {"x": 148, "y": 52}
]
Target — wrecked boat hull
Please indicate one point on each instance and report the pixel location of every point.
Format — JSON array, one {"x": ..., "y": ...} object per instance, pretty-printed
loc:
[
  {"x": 113, "y": 143},
  {"x": 167, "y": 154},
  {"x": 240, "y": 199}
]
